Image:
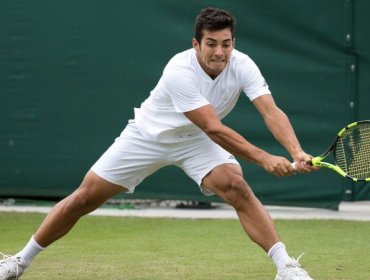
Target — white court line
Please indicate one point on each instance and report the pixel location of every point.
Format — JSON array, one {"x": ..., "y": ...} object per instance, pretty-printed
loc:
[{"x": 359, "y": 211}]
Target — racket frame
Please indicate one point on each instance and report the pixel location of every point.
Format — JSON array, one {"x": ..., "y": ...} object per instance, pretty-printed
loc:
[{"x": 317, "y": 161}]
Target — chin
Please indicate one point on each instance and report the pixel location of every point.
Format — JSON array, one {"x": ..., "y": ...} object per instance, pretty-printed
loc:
[{"x": 219, "y": 69}]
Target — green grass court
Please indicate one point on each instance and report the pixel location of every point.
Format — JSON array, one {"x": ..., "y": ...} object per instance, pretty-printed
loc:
[{"x": 161, "y": 249}]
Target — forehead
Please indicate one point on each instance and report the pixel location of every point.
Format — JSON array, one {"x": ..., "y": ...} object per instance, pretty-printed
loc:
[{"x": 217, "y": 35}]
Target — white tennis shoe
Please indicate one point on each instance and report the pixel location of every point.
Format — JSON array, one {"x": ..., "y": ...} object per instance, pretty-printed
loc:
[
  {"x": 11, "y": 267},
  {"x": 293, "y": 271}
]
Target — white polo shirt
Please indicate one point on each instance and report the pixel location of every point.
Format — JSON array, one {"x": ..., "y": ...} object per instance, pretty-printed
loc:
[{"x": 185, "y": 86}]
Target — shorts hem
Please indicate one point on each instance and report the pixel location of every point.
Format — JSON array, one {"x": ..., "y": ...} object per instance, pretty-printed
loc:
[{"x": 130, "y": 189}]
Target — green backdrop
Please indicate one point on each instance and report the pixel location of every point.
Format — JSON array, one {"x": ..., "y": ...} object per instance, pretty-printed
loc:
[{"x": 72, "y": 71}]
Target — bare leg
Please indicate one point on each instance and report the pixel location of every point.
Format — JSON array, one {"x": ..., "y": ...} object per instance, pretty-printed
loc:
[
  {"x": 228, "y": 183},
  {"x": 92, "y": 193}
]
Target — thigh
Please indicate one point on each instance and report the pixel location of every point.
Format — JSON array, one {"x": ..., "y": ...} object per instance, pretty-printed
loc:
[
  {"x": 222, "y": 177},
  {"x": 130, "y": 159},
  {"x": 202, "y": 157}
]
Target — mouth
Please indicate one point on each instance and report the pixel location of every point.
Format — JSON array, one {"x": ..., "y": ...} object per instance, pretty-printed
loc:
[{"x": 218, "y": 60}]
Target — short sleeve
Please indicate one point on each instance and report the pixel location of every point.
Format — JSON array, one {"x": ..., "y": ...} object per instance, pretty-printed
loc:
[{"x": 254, "y": 84}]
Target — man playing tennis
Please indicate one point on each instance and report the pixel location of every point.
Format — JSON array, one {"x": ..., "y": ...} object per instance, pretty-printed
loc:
[{"x": 180, "y": 124}]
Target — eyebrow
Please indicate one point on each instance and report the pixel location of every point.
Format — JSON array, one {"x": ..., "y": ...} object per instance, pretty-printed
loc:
[{"x": 213, "y": 40}]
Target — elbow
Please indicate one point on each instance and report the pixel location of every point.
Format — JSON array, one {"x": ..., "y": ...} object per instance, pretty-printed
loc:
[{"x": 212, "y": 129}]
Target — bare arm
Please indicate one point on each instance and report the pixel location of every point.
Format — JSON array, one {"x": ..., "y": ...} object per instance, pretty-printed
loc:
[
  {"x": 278, "y": 123},
  {"x": 280, "y": 126},
  {"x": 207, "y": 119}
]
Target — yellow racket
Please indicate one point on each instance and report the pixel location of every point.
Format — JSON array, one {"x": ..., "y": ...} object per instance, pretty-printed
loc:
[{"x": 350, "y": 151}]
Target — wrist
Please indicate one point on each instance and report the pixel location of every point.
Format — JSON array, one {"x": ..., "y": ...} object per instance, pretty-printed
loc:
[{"x": 296, "y": 154}]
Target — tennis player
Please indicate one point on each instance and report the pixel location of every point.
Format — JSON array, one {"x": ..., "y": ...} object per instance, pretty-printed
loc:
[{"x": 180, "y": 124}]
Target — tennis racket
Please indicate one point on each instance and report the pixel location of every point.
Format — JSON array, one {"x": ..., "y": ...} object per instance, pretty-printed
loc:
[{"x": 350, "y": 151}]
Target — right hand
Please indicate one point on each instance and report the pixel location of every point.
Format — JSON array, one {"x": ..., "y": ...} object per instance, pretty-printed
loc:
[{"x": 278, "y": 166}]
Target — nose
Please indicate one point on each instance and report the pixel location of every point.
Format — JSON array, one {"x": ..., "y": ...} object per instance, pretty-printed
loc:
[{"x": 218, "y": 51}]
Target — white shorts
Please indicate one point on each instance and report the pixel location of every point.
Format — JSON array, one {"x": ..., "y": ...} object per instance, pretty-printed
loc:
[{"x": 130, "y": 159}]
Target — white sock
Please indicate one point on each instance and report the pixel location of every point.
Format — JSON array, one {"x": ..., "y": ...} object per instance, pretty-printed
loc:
[
  {"x": 279, "y": 255},
  {"x": 30, "y": 251}
]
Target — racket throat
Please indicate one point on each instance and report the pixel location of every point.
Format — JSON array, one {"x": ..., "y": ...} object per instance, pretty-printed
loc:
[{"x": 316, "y": 161}]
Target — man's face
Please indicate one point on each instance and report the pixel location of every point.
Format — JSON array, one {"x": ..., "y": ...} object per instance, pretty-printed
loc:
[{"x": 214, "y": 51}]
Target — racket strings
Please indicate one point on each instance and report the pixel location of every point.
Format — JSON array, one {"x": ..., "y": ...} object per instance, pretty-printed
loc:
[{"x": 352, "y": 151}]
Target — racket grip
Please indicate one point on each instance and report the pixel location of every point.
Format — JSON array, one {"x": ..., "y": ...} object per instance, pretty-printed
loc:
[{"x": 294, "y": 165}]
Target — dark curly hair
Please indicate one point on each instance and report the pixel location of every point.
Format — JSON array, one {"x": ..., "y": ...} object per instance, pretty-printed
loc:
[{"x": 213, "y": 19}]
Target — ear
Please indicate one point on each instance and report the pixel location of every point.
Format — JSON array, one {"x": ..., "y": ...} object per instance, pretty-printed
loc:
[{"x": 195, "y": 44}]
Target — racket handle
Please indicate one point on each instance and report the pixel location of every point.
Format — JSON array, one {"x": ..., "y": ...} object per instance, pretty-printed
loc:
[{"x": 294, "y": 165}]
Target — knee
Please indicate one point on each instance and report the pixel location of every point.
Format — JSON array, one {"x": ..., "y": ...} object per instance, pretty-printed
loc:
[
  {"x": 238, "y": 193},
  {"x": 92, "y": 193},
  {"x": 79, "y": 203}
]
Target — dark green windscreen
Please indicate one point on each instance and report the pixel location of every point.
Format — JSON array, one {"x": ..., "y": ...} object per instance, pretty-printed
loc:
[{"x": 72, "y": 71}]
